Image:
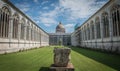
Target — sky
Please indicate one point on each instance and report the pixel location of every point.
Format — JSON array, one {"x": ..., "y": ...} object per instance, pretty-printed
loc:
[{"x": 48, "y": 13}]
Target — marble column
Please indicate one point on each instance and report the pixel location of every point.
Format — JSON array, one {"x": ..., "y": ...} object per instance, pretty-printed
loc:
[
  {"x": 87, "y": 36},
  {"x": 110, "y": 29},
  {"x": 95, "y": 34},
  {"x": 29, "y": 39},
  {"x": 10, "y": 30},
  {"x": 19, "y": 32},
  {"x": 101, "y": 29},
  {"x": 40, "y": 38},
  {"x": 25, "y": 28},
  {"x": 91, "y": 34}
]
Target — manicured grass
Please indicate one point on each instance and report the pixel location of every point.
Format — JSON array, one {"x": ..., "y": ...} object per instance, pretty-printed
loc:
[
  {"x": 89, "y": 60},
  {"x": 41, "y": 59}
]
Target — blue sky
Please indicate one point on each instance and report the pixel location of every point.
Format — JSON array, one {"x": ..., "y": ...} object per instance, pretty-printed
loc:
[{"x": 48, "y": 13}]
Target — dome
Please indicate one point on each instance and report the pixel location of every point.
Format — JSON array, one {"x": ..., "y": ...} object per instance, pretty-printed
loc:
[{"x": 60, "y": 28}]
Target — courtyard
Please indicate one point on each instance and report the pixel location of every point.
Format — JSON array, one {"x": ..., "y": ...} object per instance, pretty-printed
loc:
[
  {"x": 40, "y": 59},
  {"x": 89, "y": 29}
]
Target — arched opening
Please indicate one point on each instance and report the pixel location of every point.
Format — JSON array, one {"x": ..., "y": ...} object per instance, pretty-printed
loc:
[
  {"x": 85, "y": 32},
  {"x": 105, "y": 24},
  {"x": 4, "y": 22},
  {"x": 97, "y": 21},
  {"x": 88, "y": 30},
  {"x": 115, "y": 13},
  {"x": 15, "y": 25},
  {"x": 22, "y": 28},
  {"x": 27, "y": 31},
  {"x": 92, "y": 29},
  {"x": 31, "y": 32}
]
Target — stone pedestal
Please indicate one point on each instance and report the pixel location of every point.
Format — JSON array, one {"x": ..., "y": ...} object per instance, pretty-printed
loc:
[
  {"x": 69, "y": 67},
  {"x": 62, "y": 60}
]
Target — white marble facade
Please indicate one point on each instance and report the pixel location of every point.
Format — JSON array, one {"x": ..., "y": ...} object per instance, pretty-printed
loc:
[
  {"x": 101, "y": 30},
  {"x": 55, "y": 38},
  {"x": 17, "y": 31}
]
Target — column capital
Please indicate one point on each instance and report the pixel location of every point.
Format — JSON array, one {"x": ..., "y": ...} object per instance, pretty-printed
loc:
[
  {"x": 11, "y": 18},
  {"x": 20, "y": 22},
  {"x": 25, "y": 25},
  {"x": 30, "y": 27}
]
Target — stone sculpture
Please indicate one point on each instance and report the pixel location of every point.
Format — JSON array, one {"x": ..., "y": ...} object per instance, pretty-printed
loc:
[
  {"x": 62, "y": 60},
  {"x": 61, "y": 57}
]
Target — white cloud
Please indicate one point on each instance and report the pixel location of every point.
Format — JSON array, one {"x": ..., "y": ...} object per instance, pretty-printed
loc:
[
  {"x": 36, "y": 1},
  {"x": 49, "y": 18},
  {"x": 23, "y": 6},
  {"x": 71, "y": 10},
  {"x": 68, "y": 27},
  {"x": 47, "y": 21},
  {"x": 45, "y": 8},
  {"x": 80, "y": 8},
  {"x": 52, "y": 4},
  {"x": 37, "y": 21},
  {"x": 25, "y": 9},
  {"x": 44, "y": 2}
]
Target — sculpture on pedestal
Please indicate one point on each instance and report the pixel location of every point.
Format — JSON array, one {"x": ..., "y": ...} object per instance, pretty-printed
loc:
[{"x": 62, "y": 60}]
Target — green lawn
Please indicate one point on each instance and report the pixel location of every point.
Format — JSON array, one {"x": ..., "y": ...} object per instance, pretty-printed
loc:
[{"x": 41, "y": 59}]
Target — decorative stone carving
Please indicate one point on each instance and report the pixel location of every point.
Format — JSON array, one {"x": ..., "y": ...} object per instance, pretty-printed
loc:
[
  {"x": 61, "y": 56},
  {"x": 62, "y": 60}
]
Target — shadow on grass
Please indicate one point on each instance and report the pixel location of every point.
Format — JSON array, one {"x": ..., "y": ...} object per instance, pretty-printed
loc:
[
  {"x": 44, "y": 69},
  {"x": 110, "y": 60}
]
